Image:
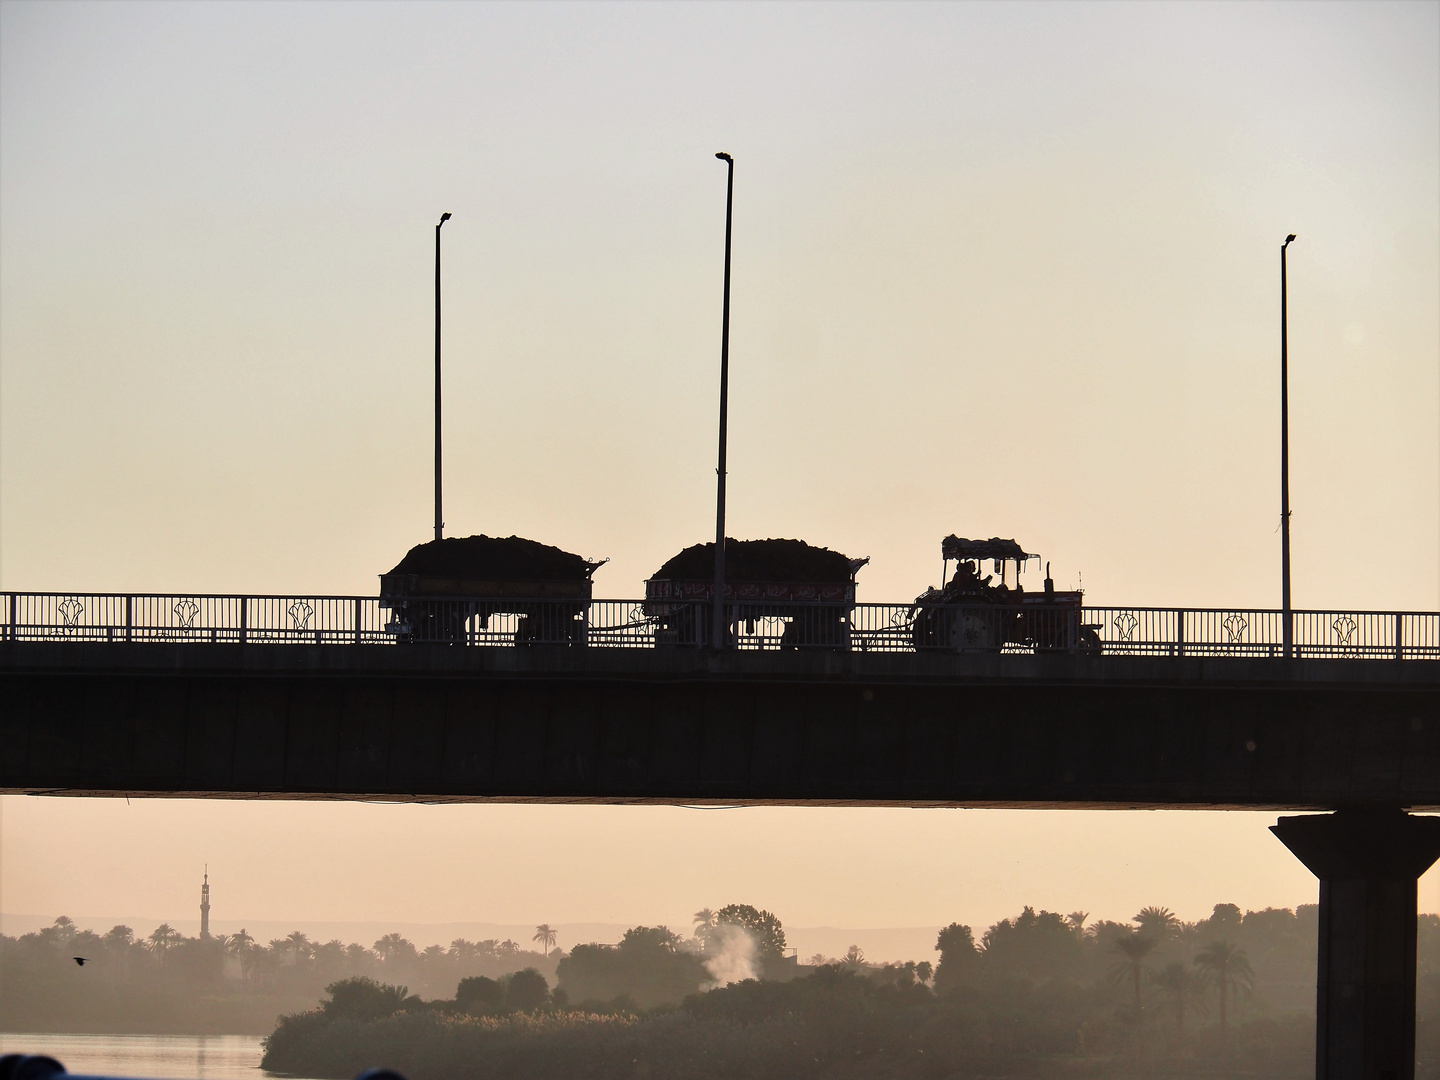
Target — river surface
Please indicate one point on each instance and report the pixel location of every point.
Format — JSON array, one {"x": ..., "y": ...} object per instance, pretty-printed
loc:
[{"x": 159, "y": 1057}]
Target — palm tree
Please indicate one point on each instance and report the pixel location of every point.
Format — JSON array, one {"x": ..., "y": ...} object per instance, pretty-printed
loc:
[
  {"x": 1183, "y": 990},
  {"x": 300, "y": 946},
  {"x": 329, "y": 957},
  {"x": 119, "y": 941},
  {"x": 1076, "y": 919},
  {"x": 705, "y": 923},
  {"x": 62, "y": 931},
  {"x": 854, "y": 958},
  {"x": 393, "y": 946},
  {"x": 164, "y": 936},
  {"x": 545, "y": 935},
  {"x": 1134, "y": 948},
  {"x": 241, "y": 946},
  {"x": 1158, "y": 922},
  {"x": 1224, "y": 966}
]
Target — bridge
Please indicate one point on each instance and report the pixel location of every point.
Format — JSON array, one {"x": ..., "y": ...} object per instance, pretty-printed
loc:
[{"x": 331, "y": 697}]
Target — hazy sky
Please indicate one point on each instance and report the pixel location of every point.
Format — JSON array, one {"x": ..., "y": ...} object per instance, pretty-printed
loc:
[{"x": 999, "y": 269}]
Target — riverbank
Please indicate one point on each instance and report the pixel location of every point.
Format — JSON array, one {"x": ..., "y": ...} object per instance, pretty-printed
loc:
[
  {"x": 679, "y": 1046},
  {"x": 832, "y": 1025}
]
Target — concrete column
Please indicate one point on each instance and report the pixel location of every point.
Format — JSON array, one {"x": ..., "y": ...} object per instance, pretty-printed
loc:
[{"x": 1368, "y": 862}]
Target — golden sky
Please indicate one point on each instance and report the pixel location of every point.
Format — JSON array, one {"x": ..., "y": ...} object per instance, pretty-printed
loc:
[{"x": 1000, "y": 269}]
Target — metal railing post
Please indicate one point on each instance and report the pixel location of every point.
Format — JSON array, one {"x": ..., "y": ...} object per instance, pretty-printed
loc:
[
  {"x": 359, "y": 614},
  {"x": 129, "y": 618},
  {"x": 1180, "y": 632},
  {"x": 14, "y": 603},
  {"x": 244, "y": 613},
  {"x": 1399, "y": 636}
]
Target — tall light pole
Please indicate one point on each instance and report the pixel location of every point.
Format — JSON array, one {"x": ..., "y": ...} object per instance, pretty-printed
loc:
[
  {"x": 439, "y": 517},
  {"x": 719, "y": 637},
  {"x": 1288, "y": 628}
]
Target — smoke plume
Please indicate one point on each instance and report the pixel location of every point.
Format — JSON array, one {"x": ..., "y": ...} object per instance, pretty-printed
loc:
[{"x": 734, "y": 957}]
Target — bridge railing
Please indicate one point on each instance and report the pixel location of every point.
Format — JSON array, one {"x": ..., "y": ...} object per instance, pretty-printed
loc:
[{"x": 784, "y": 624}]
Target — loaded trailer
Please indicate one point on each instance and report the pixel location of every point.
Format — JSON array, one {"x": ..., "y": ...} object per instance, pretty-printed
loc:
[
  {"x": 450, "y": 591},
  {"x": 778, "y": 593}
]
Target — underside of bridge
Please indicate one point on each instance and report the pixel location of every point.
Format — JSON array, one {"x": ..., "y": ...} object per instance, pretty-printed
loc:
[
  {"x": 432, "y": 723},
  {"x": 438, "y": 724}
]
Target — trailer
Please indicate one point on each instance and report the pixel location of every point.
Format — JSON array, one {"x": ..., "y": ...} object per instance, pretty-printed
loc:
[
  {"x": 450, "y": 590},
  {"x": 778, "y": 593}
]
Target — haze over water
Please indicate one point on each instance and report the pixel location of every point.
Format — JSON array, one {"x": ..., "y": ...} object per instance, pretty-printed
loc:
[{"x": 161, "y": 1057}]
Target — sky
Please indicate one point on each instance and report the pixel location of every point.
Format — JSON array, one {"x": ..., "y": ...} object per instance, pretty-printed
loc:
[{"x": 999, "y": 269}]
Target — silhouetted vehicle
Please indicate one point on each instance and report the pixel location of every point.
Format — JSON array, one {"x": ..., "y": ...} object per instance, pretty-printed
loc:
[
  {"x": 440, "y": 587},
  {"x": 971, "y": 612},
  {"x": 810, "y": 589}
]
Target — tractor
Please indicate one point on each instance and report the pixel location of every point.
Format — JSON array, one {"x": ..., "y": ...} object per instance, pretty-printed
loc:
[{"x": 971, "y": 612}]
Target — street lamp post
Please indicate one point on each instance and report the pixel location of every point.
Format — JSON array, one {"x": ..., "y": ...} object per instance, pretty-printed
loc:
[
  {"x": 719, "y": 636},
  {"x": 439, "y": 517},
  {"x": 1288, "y": 628}
]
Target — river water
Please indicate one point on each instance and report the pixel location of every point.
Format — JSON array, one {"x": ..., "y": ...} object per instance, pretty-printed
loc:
[{"x": 159, "y": 1057}]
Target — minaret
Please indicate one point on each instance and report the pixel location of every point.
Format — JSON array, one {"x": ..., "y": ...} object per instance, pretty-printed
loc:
[{"x": 205, "y": 905}]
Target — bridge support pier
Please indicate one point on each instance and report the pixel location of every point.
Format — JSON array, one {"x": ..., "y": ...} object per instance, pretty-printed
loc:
[{"x": 1368, "y": 862}]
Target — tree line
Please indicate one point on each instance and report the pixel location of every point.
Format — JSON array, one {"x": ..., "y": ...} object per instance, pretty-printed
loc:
[
  {"x": 1067, "y": 980},
  {"x": 1038, "y": 994},
  {"x": 1181, "y": 969},
  {"x": 168, "y": 982}
]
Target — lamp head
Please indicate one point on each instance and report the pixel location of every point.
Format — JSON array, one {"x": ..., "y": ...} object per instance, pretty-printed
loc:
[
  {"x": 1289, "y": 238},
  {"x": 725, "y": 157},
  {"x": 444, "y": 218}
]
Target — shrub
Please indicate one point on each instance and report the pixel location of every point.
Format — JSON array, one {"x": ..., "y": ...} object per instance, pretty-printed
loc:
[
  {"x": 360, "y": 998},
  {"x": 527, "y": 992},
  {"x": 480, "y": 996}
]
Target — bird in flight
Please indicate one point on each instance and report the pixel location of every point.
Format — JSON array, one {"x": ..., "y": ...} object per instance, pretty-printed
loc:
[{"x": 80, "y": 960}]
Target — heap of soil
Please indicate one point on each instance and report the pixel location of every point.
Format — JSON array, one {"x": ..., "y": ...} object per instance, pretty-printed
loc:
[
  {"x": 760, "y": 560},
  {"x": 494, "y": 558},
  {"x": 955, "y": 547}
]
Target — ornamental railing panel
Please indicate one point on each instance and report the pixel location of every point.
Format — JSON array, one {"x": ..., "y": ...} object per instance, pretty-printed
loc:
[{"x": 668, "y": 623}]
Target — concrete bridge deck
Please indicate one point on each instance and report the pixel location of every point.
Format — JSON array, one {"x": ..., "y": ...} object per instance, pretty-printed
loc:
[{"x": 434, "y": 723}]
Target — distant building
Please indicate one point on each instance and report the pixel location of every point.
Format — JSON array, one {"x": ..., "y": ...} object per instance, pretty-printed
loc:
[{"x": 205, "y": 906}]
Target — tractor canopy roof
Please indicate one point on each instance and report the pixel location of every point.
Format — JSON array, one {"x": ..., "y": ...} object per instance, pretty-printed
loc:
[
  {"x": 763, "y": 560},
  {"x": 954, "y": 547},
  {"x": 495, "y": 558}
]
